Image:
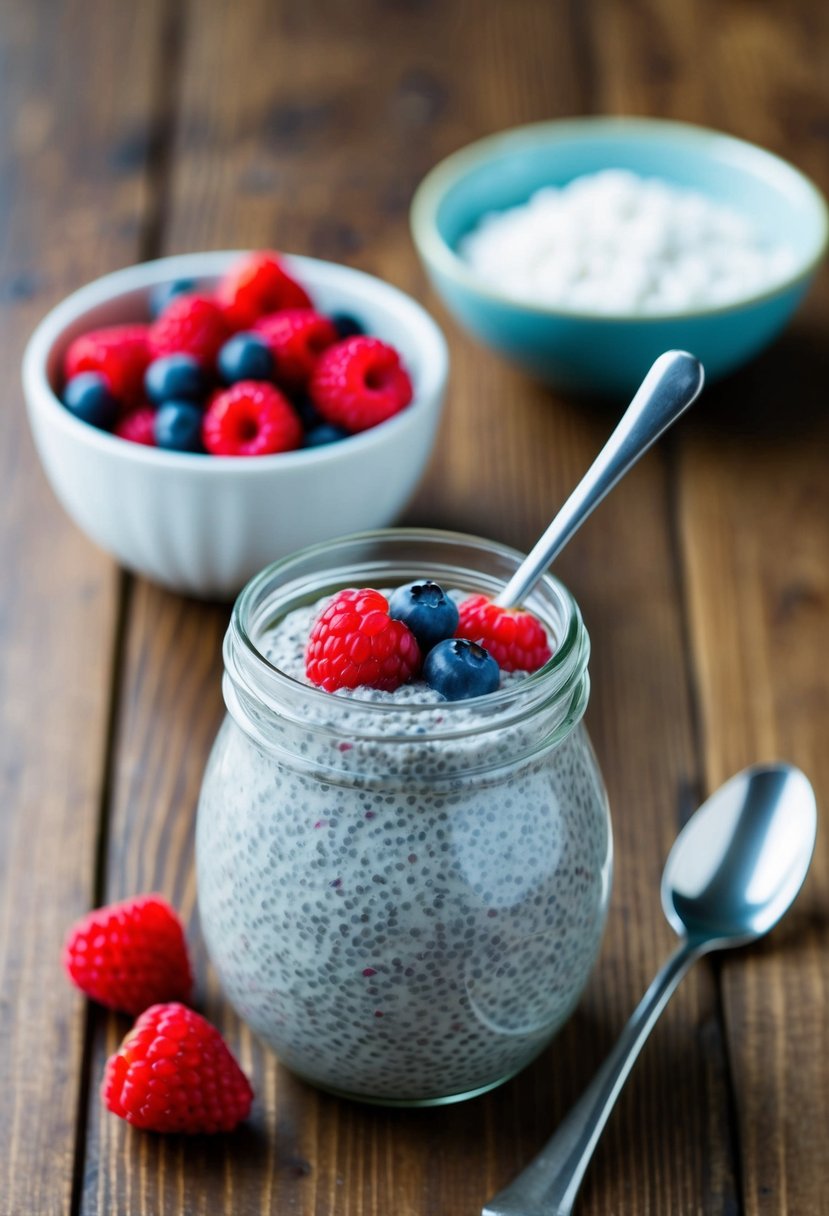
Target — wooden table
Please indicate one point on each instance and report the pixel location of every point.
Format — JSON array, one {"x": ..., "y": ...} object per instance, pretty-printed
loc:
[{"x": 132, "y": 130}]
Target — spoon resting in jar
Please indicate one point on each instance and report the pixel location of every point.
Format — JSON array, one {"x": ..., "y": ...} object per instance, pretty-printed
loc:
[
  {"x": 672, "y": 384},
  {"x": 732, "y": 873}
]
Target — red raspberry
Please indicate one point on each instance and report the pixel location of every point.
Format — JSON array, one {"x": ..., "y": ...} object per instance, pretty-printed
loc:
[
  {"x": 250, "y": 419},
  {"x": 515, "y": 639},
  {"x": 191, "y": 325},
  {"x": 355, "y": 642},
  {"x": 129, "y": 955},
  {"x": 256, "y": 286},
  {"x": 174, "y": 1073},
  {"x": 137, "y": 426},
  {"x": 119, "y": 352},
  {"x": 359, "y": 382},
  {"x": 297, "y": 337}
]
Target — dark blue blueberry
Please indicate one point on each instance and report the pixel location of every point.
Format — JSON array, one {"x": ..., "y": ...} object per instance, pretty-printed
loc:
[
  {"x": 346, "y": 325},
  {"x": 306, "y": 409},
  {"x": 246, "y": 357},
  {"x": 176, "y": 378},
  {"x": 427, "y": 610},
  {"x": 163, "y": 293},
  {"x": 88, "y": 397},
  {"x": 326, "y": 432},
  {"x": 178, "y": 427},
  {"x": 460, "y": 669}
]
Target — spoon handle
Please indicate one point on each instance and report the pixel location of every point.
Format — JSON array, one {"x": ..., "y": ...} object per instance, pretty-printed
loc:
[
  {"x": 548, "y": 1186},
  {"x": 671, "y": 385}
]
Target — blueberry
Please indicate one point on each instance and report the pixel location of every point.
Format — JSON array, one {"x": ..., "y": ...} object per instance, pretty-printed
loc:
[
  {"x": 322, "y": 434},
  {"x": 427, "y": 610},
  {"x": 246, "y": 357},
  {"x": 460, "y": 669},
  {"x": 175, "y": 378},
  {"x": 178, "y": 427},
  {"x": 88, "y": 397},
  {"x": 346, "y": 325},
  {"x": 163, "y": 293},
  {"x": 306, "y": 409}
]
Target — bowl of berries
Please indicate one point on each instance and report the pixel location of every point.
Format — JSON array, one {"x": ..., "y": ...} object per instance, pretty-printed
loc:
[{"x": 202, "y": 415}]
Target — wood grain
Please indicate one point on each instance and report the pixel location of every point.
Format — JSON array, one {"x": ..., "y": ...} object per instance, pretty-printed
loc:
[
  {"x": 72, "y": 204},
  {"x": 144, "y": 129},
  {"x": 319, "y": 153}
]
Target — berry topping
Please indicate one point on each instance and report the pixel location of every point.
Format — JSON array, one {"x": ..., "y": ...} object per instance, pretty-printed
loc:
[
  {"x": 322, "y": 434},
  {"x": 297, "y": 337},
  {"x": 138, "y": 426},
  {"x": 515, "y": 638},
  {"x": 175, "y": 378},
  {"x": 174, "y": 1073},
  {"x": 89, "y": 398},
  {"x": 346, "y": 325},
  {"x": 178, "y": 427},
  {"x": 119, "y": 352},
  {"x": 190, "y": 325},
  {"x": 246, "y": 356},
  {"x": 427, "y": 610},
  {"x": 355, "y": 642},
  {"x": 256, "y": 286},
  {"x": 359, "y": 382},
  {"x": 163, "y": 293},
  {"x": 459, "y": 669},
  {"x": 251, "y": 419},
  {"x": 129, "y": 955}
]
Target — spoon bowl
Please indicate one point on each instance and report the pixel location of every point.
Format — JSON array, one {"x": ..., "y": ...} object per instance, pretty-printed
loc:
[
  {"x": 733, "y": 871},
  {"x": 742, "y": 858}
]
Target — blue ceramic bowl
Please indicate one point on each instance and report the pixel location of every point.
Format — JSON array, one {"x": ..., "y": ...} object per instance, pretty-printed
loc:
[{"x": 610, "y": 354}]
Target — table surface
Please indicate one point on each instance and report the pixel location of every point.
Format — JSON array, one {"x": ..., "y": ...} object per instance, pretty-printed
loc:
[{"x": 133, "y": 130}]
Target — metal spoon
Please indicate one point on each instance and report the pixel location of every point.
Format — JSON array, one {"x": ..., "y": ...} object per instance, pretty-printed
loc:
[
  {"x": 733, "y": 871},
  {"x": 671, "y": 385}
]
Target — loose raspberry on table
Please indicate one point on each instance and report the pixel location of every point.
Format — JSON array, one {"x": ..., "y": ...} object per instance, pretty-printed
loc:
[
  {"x": 354, "y": 642},
  {"x": 359, "y": 382},
  {"x": 129, "y": 955},
  {"x": 515, "y": 638},
  {"x": 257, "y": 285},
  {"x": 297, "y": 337},
  {"x": 190, "y": 325},
  {"x": 119, "y": 352},
  {"x": 137, "y": 426},
  {"x": 250, "y": 419},
  {"x": 174, "y": 1073}
]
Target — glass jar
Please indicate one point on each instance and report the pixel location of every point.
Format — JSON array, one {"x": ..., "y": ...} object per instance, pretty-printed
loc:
[{"x": 404, "y": 900}]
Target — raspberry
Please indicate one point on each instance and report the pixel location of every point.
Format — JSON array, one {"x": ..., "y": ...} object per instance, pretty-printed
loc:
[
  {"x": 355, "y": 642},
  {"x": 515, "y": 639},
  {"x": 174, "y": 1073},
  {"x": 190, "y": 325},
  {"x": 256, "y": 286},
  {"x": 250, "y": 419},
  {"x": 129, "y": 955},
  {"x": 119, "y": 352},
  {"x": 297, "y": 337},
  {"x": 359, "y": 382},
  {"x": 137, "y": 426}
]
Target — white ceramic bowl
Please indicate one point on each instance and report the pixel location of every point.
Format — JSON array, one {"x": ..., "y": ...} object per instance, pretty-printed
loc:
[{"x": 204, "y": 525}]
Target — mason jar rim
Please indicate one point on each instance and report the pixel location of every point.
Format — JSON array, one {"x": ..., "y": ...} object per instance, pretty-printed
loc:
[{"x": 275, "y": 689}]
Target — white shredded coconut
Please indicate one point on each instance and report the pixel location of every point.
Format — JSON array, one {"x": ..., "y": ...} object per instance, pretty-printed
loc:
[{"x": 613, "y": 242}]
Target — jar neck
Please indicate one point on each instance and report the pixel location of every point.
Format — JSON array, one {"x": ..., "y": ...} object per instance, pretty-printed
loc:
[{"x": 272, "y": 707}]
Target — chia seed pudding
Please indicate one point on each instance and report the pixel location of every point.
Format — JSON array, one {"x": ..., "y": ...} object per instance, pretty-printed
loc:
[{"x": 403, "y": 896}]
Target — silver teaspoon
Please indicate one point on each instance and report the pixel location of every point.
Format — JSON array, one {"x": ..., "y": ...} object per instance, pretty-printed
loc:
[
  {"x": 733, "y": 871},
  {"x": 672, "y": 384}
]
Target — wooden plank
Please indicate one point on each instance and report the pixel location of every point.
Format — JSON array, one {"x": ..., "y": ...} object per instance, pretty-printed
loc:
[
  {"x": 754, "y": 517},
  {"x": 307, "y": 128},
  {"x": 755, "y": 512},
  {"x": 73, "y": 160}
]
